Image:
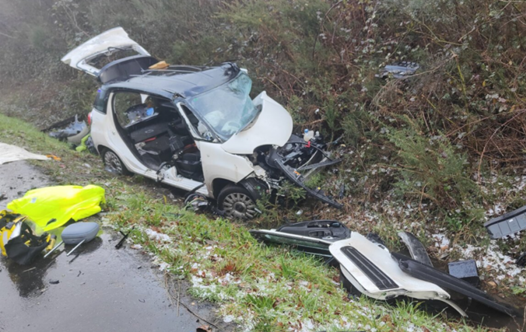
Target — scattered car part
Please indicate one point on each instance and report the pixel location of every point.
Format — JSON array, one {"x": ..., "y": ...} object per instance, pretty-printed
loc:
[
  {"x": 125, "y": 236},
  {"x": 298, "y": 179},
  {"x": 369, "y": 268},
  {"x": 77, "y": 139},
  {"x": 432, "y": 275},
  {"x": 507, "y": 224},
  {"x": 465, "y": 270},
  {"x": 307, "y": 244},
  {"x": 73, "y": 133},
  {"x": 79, "y": 233},
  {"x": 400, "y": 69},
  {"x": 17, "y": 240},
  {"x": 52, "y": 207},
  {"x": 416, "y": 248},
  {"x": 330, "y": 230}
]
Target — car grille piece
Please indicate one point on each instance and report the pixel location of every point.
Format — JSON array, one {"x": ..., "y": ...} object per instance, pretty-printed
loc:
[{"x": 377, "y": 276}]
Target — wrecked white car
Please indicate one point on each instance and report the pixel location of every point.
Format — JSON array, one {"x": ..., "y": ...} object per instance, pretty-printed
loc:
[{"x": 193, "y": 128}]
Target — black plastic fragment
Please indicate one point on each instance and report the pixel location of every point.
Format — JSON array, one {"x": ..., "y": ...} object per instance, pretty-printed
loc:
[
  {"x": 331, "y": 230},
  {"x": 466, "y": 270},
  {"x": 377, "y": 276},
  {"x": 125, "y": 236},
  {"x": 507, "y": 224},
  {"x": 444, "y": 280},
  {"x": 416, "y": 248}
]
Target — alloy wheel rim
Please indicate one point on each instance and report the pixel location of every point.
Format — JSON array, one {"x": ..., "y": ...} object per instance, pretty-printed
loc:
[
  {"x": 113, "y": 163},
  {"x": 239, "y": 205}
]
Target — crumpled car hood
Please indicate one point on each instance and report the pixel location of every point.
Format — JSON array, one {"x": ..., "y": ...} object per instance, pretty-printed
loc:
[{"x": 273, "y": 126}]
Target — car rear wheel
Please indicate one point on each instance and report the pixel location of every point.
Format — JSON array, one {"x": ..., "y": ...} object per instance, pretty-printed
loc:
[
  {"x": 113, "y": 164},
  {"x": 236, "y": 202}
]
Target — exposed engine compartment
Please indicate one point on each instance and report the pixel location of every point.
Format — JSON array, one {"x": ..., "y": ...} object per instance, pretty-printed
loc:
[{"x": 294, "y": 158}]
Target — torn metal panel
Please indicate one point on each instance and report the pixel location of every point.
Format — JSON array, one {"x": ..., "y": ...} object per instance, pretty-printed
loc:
[
  {"x": 507, "y": 224},
  {"x": 430, "y": 274},
  {"x": 416, "y": 248},
  {"x": 370, "y": 269}
]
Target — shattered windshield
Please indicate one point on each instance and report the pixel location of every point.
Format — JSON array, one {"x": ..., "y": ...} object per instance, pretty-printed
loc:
[{"x": 226, "y": 109}]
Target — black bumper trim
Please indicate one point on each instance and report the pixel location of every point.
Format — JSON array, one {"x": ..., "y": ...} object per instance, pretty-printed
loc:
[{"x": 377, "y": 276}]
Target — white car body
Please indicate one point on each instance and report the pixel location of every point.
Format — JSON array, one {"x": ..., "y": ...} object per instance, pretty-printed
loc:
[{"x": 227, "y": 159}]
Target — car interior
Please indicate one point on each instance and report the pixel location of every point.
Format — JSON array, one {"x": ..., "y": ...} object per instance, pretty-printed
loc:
[{"x": 159, "y": 135}]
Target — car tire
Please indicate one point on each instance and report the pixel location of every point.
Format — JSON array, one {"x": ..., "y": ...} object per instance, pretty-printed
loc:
[
  {"x": 113, "y": 164},
  {"x": 237, "y": 203}
]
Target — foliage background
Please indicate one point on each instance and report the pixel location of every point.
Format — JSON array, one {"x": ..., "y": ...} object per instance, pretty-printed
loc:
[{"x": 437, "y": 140}]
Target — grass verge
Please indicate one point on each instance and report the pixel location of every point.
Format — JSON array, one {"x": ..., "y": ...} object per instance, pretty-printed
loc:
[{"x": 261, "y": 288}]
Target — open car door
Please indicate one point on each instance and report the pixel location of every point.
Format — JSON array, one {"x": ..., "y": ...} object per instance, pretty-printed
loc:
[{"x": 101, "y": 53}]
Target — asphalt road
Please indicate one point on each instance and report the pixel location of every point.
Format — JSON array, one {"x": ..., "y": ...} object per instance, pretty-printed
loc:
[{"x": 100, "y": 289}]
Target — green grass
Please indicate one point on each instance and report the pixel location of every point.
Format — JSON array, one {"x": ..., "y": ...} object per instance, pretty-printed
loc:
[{"x": 262, "y": 288}]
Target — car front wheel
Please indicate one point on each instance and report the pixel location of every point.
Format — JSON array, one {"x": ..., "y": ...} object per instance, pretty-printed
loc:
[
  {"x": 113, "y": 164},
  {"x": 236, "y": 202}
]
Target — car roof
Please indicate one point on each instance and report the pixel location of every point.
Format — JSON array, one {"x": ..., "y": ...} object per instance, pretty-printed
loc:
[{"x": 183, "y": 81}]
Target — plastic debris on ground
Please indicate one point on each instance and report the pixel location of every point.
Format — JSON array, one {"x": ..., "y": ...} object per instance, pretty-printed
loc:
[
  {"x": 507, "y": 224},
  {"x": 466, "y": 270},
  {"x": 399, "y": 69}
]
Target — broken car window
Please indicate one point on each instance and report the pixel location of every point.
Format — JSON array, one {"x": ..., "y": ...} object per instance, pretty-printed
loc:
[{"x": 228, "y": 108}]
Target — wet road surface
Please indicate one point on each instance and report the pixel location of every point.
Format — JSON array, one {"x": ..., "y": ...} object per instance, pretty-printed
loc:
[{"x": 97, "y": 288}]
